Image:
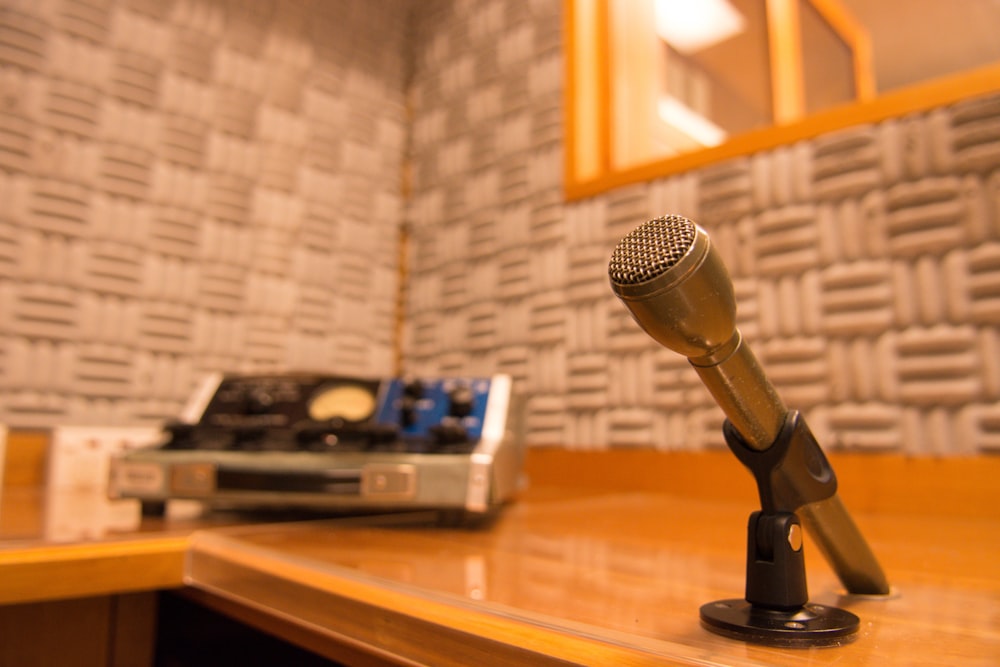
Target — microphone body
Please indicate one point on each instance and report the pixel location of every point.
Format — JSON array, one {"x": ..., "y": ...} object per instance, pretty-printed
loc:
[{"x": 676, "y": 287}]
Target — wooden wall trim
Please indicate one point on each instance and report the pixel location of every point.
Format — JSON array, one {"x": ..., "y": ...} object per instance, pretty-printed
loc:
[{"x": 869, "y": 482}]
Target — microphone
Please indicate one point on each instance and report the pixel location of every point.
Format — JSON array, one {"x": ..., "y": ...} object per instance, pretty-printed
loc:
[{"x": 676, "y": 287}]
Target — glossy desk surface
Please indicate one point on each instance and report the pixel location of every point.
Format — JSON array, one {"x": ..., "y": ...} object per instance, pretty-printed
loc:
[
  {"x": 562, "y": 576},
  {"x": 598, "y": 579}
]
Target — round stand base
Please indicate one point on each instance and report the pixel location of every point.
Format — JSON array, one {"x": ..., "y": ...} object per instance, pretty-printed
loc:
[{"x": 811, "y": 625}]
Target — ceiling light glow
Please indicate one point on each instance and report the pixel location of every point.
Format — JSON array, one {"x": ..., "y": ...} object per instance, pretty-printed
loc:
[{"x": 692, "y": 25}]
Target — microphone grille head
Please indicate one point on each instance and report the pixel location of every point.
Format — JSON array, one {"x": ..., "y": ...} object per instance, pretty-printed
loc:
[{"x": 651, "y": 250}]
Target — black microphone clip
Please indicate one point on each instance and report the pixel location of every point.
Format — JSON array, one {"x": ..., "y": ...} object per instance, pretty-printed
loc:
[{"x": 790, "y": 474}]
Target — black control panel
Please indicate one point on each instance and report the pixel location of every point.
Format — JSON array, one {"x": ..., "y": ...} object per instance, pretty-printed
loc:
[{"x": 328, "y": 413}]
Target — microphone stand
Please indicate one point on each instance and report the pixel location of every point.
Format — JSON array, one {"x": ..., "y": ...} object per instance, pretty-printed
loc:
[
  {"x": 669, "y": 276},
  {"x": 791, "y": 474}
]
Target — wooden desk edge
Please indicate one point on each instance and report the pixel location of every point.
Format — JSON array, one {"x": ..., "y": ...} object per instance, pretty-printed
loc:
[
  {"x": 390, "y": 624},
  {"x": 36, "y": 573}
]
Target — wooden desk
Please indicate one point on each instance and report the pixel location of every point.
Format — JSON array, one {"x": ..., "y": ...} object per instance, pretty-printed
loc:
[
  {"x": 85, "y": 602},
  {"x": 593, "y": 579},
  {"x": 606, "y": 565},
  {"x": 35, "y": 568}
]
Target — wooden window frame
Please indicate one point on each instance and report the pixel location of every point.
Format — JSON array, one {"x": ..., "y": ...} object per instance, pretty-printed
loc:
[{"x": 589, "y": 106}]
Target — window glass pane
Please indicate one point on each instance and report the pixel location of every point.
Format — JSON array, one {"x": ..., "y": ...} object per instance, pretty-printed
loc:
[{"x": 725, "y": 79}]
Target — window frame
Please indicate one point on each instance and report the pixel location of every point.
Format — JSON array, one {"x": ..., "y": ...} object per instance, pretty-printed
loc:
[{"x": 589, "y": 105}]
